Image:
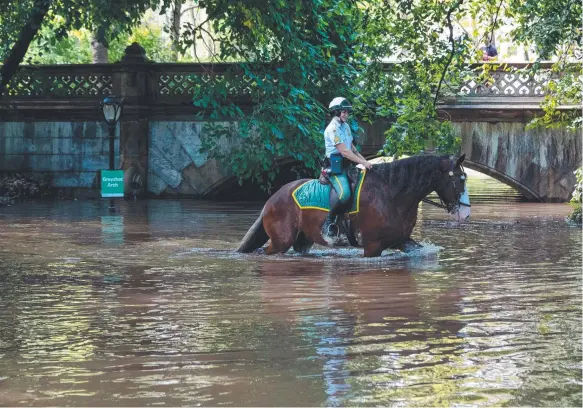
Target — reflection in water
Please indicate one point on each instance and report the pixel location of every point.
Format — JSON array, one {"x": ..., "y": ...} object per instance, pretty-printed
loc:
[
  {"x": 364, "y": 325},
  {"x": 112, "y": 229},
  {"x": 152, "y": 307}
]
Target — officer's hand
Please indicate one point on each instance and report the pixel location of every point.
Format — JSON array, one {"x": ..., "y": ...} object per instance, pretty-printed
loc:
[{"x": 367, "y": 164}]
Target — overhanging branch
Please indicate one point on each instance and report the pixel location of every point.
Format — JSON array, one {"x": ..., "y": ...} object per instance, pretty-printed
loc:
[
  {"x": 19, "y": 49},
  {"x": 451, "y": 55}
]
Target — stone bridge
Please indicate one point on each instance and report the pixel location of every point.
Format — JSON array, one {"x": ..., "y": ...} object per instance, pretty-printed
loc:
[
  {"x": 50, "y": 122},
  {"x": 539, "y": 163}
]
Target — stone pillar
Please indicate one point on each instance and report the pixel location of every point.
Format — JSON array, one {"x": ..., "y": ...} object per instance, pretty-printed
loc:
[{"x": 132, "y": 82}]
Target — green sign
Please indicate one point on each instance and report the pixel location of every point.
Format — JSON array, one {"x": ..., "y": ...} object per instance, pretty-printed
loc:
[{"x": 111, "y": 183}]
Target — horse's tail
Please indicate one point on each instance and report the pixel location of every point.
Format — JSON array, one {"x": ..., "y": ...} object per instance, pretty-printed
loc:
[{"x": 255, "y": 237}]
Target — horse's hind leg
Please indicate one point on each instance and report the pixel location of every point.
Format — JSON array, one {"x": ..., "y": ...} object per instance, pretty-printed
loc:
[
  {"x": 302, "y": 244},
  {"x": 282, "y": 237},
  {"x": 278, "y": 245}
]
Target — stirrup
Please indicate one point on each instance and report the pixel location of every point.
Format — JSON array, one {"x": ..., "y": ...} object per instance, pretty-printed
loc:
[{"x": 329, "y": 230}]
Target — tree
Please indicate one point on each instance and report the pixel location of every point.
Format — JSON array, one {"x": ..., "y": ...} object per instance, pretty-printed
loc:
[
  {"x": 35, "y": 16},
  {"x": 293, "y": 55},
  {"x": 554, "y": 27},
  {"x": 99, "y": 46},
  {"x": 175, "y": 25},
  {"x": 296, "y": 55},
  {"x": 77, "y": 47},
  {"x": 21, "y": 21},
  {"x": 432, "y": 61}
]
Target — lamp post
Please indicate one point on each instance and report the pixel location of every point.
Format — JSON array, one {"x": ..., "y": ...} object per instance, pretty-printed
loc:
[{"x": 111, "y": 107}]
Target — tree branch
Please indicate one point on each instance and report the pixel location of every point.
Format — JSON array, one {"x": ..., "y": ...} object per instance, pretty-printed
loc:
[
  {"x": 188, "y": 9},
  {"x": 495, "y": 21},
  {"x": 451, "y": 55},
  {"x": 20, "y": 47}
]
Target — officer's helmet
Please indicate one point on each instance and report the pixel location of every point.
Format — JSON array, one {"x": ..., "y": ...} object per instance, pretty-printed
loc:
[{"x": 339, "y": 104}]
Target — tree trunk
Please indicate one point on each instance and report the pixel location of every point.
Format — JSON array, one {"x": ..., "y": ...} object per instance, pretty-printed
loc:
[
  {"x": 99, "y": 48},
  {"x": 19, "y": 49},
  {"x": 175, "y": 28}
]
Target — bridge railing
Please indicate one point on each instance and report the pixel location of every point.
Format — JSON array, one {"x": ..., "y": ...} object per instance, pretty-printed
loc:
[
  {"x": 82, "y": 81},
  {"x": 84, "y": 85},
  {"x": 506, "y": 80}
]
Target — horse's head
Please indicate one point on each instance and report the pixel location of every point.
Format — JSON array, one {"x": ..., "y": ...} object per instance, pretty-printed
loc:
[{"x": 451, "y": 187}]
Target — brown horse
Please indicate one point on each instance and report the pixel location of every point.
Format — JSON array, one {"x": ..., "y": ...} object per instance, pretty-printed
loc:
[{"x": 390, "y": 195}]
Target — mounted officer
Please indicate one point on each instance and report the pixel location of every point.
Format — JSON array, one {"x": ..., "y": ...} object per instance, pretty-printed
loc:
[{"x": 340, "y": 155}]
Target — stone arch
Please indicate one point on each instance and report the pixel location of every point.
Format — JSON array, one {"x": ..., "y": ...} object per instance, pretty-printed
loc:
[
  {"x": 503, "y": 178},
  {"x": 228, "y": 187},
  {"x": 537, "y": 162}
]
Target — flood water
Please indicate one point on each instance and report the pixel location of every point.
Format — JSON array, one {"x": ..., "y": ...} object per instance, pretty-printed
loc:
[{"x": 152, "y": 307}]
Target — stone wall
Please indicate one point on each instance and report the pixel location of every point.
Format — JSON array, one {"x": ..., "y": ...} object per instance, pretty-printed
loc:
[
  {"x": 176, "y": 166},
  {"x": 71, "y": 152}
]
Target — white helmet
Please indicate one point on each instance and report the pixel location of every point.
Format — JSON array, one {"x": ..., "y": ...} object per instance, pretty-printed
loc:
[{"x": 340, "y": 103}]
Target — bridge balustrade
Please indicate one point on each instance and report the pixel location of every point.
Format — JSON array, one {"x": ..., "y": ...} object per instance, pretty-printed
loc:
[{"x": 175, "y": 84}]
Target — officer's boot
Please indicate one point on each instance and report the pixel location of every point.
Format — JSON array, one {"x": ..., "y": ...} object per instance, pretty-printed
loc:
[{"x": 330, "y": 229}]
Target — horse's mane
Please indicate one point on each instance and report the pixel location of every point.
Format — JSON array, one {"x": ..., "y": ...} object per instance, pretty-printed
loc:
[{"x": 411, "y": 174}]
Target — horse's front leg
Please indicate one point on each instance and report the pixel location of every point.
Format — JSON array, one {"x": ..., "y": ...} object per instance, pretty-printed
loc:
[
  {"x": 372, "y": 249},
  {"x": 409, "y": 245}
]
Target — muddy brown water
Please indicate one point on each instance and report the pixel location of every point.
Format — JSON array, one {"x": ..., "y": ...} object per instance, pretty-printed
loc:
[{"x": 152, "y": 307}]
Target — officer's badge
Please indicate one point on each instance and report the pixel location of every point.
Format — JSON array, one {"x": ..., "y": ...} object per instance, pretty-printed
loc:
[{"x": 336, "y": 138}]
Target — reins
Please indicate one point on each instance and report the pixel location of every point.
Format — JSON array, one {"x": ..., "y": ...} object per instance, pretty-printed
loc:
[{"x": 441, "y": 205}]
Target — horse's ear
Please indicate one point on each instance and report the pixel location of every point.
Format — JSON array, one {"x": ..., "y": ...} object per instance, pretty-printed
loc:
[{"x": 461, "y": 160}]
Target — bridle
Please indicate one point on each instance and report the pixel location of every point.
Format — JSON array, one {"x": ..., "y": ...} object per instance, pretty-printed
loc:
[{"x": 457, "y": 203}]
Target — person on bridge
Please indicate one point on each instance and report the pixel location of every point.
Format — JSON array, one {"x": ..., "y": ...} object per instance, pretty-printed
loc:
[
  {"x": 340, "y": 154},
  {"x": 489, "y": 52}
]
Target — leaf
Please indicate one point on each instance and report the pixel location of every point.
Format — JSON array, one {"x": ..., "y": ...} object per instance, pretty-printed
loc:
[{"x": 277, "y": 133}]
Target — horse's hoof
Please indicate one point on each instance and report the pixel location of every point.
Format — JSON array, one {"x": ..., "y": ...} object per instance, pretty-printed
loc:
[
  {"x": 341, "y": 241},
  {"x": 259, "y": 251}
]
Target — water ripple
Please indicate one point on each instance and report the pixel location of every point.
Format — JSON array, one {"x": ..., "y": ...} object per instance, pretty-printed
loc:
[{"x": 485, "y": 314}]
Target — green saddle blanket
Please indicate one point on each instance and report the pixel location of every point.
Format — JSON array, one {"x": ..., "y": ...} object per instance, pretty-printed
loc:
[{"x": 313, "y": 195}]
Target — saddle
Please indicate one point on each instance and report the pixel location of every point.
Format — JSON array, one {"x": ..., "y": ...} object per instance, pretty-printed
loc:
[{"x": 346, "y": 234}]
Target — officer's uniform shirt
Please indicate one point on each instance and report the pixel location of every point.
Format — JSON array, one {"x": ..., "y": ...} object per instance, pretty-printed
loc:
[{"x": 337, "y": 132}]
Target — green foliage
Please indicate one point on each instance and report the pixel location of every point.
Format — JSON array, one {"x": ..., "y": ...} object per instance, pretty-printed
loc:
[
  {"x": 12, "y": 18},
  {"x": 75, "y": 46},
  {"x": 298, "y": 54},
  {"x": 563, "y": 90},
  {"x": 295, "y": 56},
  {"x": 431, "y": 60},
  {"x": 577, "y": 198},
  {"x": 554, "y": 28},
  {"x": 578, "y": 192},
  {"x": 301, "y": 54},
  {"x": 109, "y": 17},
  {"x": 576, "y": 215}
]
